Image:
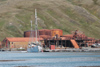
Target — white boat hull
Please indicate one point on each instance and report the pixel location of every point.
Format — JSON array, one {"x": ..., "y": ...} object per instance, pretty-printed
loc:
[{"x": 33, "y": 49}]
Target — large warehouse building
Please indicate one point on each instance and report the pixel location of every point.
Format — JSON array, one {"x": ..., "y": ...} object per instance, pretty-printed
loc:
[{"x": 14, "y": 43}]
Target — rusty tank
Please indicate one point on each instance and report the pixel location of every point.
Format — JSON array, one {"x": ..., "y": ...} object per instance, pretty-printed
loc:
[
  {"x": 28, "y": 33},
  {"x": 57, "y": 32},
  {"x": 45, "y": 32},
  {"x": 40, "y": 32}
]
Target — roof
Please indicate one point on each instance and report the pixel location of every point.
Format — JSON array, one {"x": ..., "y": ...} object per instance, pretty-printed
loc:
[
  {"x": 21, "y": 39},
  {"x": 68, "y": 35}
]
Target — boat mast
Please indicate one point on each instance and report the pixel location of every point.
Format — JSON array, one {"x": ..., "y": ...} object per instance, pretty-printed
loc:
[
  {"x": 36, "y": 25},
  {"x": 31, "y": 33}
]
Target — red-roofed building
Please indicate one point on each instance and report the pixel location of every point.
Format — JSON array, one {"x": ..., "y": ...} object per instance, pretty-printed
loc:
[{"x": 17, "y": 42}]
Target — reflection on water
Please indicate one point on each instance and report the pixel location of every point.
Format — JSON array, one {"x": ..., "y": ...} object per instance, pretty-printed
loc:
[
  {"x": 52, "y": 59},
  {"x": 10, "y": 60}
]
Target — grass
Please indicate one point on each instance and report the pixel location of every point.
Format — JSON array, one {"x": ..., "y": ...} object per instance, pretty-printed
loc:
[
  {"x": 2, "y": 22},
  {"x": 59, "y": 14},
  {"x": 2, "y": 0},
  {"x": 48, "y": 21},
  {"x": 25, "y": 17}
]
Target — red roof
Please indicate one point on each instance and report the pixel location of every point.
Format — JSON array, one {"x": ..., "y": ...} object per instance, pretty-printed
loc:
[
  {"x": 21, "y": 39},
  {"x": 69, "y": 35}
]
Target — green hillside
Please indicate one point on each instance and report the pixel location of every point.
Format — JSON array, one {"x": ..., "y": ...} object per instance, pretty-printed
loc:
[{"x": 68, "y": 15}]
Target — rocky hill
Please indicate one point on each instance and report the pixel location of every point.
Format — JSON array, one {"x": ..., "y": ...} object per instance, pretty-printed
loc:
[{"x": 68, "y": 15}]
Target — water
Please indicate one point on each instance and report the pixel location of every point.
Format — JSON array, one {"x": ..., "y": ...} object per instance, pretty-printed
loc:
[{"x": 52, "y": 59}]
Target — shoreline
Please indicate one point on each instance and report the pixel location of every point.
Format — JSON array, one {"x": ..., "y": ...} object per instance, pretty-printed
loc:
[
  {"x": 75, "y": 50},
  {"x": 62, "y": 50}
]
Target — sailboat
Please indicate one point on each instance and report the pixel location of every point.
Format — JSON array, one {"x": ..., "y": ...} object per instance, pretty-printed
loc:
[{"x": 34, "y": 45}]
